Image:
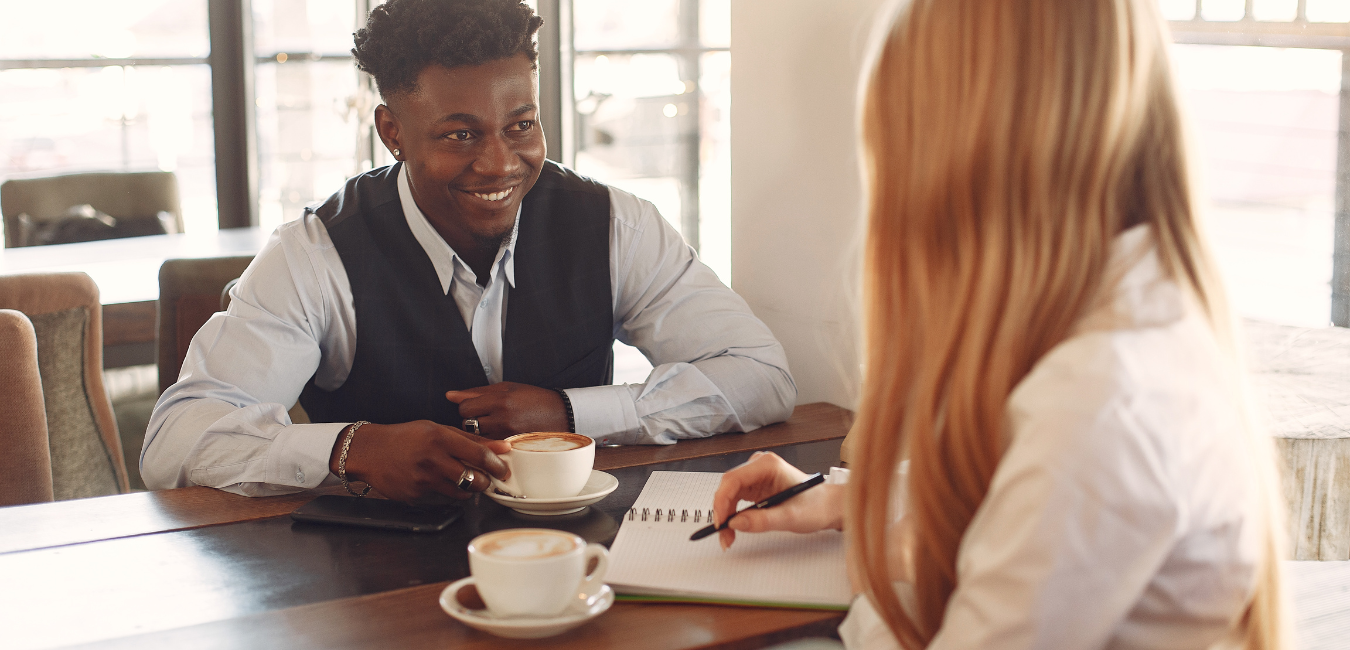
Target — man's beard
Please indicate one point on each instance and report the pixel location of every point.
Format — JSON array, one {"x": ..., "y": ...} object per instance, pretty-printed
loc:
[{"x": 492, "y": 243}]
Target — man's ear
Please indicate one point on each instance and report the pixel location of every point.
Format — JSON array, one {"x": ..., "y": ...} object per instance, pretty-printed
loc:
[{"x": 387, "y": 125}]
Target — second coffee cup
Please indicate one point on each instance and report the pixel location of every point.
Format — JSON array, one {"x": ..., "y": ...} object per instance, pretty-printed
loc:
[
  {"x": 547, "y": 465},
  {"x": 535, "y": 572}
]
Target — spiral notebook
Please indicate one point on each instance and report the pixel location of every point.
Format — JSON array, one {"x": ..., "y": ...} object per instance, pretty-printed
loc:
[{"x": 653, "y": 559}]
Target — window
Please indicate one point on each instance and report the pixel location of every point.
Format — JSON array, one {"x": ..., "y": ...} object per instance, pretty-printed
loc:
[
  {"x": 652, "y": 100},
  {"x": 96, "y": 86},
  {"x": 1264, "y": 97},
  {"x": 314, "y": 108},
  {"x": 1265, "y": 120}
]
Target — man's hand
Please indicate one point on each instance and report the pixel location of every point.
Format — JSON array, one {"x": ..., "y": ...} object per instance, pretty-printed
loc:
[
  {"x": 508, "y": 408},
  {"x": 420, "y": 459}
]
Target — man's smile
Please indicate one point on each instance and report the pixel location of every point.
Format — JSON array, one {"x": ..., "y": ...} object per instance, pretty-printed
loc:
[{"x": 499, "y": 195}]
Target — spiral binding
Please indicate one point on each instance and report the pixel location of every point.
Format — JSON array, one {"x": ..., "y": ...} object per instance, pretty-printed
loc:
[{"x": 685, "y": 516}]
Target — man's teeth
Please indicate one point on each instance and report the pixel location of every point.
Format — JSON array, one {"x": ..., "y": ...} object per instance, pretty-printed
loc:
[{"x": 495, "y": 196}]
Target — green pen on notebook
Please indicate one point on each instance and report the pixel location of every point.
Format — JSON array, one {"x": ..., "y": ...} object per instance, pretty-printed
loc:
[{"x": 810, "y": 482}]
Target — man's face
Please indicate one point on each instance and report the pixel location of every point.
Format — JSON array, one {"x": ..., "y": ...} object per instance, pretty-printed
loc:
[{"x": 471, "y": 139}]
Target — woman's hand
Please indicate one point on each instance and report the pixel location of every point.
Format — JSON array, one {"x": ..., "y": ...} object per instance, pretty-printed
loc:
[{"x": 764, "y": 475}]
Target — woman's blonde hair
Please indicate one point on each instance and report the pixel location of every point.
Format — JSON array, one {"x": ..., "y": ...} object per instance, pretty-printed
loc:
[{"x": 1006, "y": 143}]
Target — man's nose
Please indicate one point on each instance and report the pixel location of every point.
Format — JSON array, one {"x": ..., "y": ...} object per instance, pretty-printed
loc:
[{"x": 497, "y": 157}]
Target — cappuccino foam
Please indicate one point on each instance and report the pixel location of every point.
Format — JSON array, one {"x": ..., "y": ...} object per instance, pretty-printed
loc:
[
  {"x": 527, "y": 545},
  {"x": 549, "y": 442}
]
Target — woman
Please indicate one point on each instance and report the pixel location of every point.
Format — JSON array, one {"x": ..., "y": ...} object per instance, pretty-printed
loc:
[{"x": 1048, "y": 350}]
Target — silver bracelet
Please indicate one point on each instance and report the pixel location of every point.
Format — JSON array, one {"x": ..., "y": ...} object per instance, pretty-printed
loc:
[{"x": 342, "y": 461}]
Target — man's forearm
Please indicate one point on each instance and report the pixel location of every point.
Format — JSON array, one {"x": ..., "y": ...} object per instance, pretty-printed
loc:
[
  {"x": 686, "y": 400},
  {"x": 252, "y": 450},
  {"x": 759, "y": 388},
  {"x": 174, "y": 430}
]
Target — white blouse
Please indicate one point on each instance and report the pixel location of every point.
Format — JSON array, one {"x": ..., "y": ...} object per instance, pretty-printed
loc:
[{"x": 1125, "y": 511}]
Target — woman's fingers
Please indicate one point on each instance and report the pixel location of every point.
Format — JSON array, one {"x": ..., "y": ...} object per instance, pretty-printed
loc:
[
  {"x": 816, "y": 509},
  {"x": 783, "y": 517},
  {"x": 745, "y": 483},
  {"x": 764, "y": 475}
]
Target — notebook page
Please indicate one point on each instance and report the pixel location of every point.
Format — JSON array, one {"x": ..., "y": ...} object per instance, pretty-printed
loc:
[{"x": 655, "y": 557}]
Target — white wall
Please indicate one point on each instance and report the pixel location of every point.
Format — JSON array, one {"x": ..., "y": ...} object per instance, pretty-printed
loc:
[{"x": 796, "y": 191}]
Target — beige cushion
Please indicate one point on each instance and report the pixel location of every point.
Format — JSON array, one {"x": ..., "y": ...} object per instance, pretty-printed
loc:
[{"x": 82, "y": 466}]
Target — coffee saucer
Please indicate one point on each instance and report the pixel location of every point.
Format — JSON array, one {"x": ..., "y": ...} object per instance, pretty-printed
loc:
[
  {"x": 520, "y": 627},
  {"x": 597, "y": 487}
]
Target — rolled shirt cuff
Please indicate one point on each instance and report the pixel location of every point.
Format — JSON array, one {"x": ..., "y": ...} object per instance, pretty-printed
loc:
[
  {"x": 300, "y": 453},
  {"x": 605, "y": 413}
]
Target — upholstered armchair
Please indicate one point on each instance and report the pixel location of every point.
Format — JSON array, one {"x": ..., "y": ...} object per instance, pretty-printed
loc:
[
  {"x": 124, "y": 196},
  {"x": 66, "y": 319}
]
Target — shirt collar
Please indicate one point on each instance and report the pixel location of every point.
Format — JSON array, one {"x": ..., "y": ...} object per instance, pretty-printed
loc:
[
  {"x": 443, "y": 256},
  {"x": 1136, "y": 290}
]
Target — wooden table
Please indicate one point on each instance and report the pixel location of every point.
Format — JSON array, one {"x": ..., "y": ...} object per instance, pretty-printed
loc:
[
  {"x": 201, "y": 568},
  {"x": 127, "y": 274},
  {"x": 1302, "y": 382}
]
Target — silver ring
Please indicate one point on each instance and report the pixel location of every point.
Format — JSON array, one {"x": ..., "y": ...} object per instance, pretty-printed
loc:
[
  {"x": 471, "y": 425},
  {"x": 466, "y": 480}
]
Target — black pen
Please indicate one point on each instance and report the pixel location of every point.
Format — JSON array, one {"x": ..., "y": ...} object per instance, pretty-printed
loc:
[{"x": 810, "y": 482}]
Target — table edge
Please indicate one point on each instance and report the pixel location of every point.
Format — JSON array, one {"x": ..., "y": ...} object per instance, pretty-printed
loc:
[{"x": 81, "y": 521}]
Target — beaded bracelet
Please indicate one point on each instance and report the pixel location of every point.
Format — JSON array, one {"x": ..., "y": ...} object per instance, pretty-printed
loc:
[{"x": 567, "y": 404}]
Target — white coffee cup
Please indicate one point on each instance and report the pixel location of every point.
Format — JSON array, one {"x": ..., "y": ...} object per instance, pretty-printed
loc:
[
  {"x": 547, "y": 465},
  {"x": 535, "y": 572}
]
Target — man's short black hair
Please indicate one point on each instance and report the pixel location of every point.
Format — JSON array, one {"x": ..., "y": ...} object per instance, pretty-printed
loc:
[{"x": 403, "y": 37}]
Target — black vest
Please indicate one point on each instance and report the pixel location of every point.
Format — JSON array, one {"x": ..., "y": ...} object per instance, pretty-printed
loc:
[{"x": 411, "y": 342}]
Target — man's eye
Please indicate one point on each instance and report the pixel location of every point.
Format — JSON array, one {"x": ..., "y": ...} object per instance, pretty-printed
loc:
[
  {"x": 525, "y": 125},
  {"x": 459, "y": 135}
]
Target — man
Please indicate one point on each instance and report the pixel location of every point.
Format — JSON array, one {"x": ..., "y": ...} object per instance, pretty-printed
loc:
[{"x": 471, "y": 286}]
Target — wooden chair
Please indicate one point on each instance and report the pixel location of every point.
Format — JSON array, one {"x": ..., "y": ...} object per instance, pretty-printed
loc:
[
  {"x": 85, "y": 450},
  {"x": 26, "y": 464},
  {"x": 186, "y": 303},
  {"x": 119, "y": 195},
  {"x": 189, "y": 293}
]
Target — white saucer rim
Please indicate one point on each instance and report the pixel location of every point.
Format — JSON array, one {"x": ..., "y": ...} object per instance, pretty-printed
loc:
[
  {"x": 598, "y": 494},
  {"x": 604, "y": 600},
  {"x": 548, "y": 513}
]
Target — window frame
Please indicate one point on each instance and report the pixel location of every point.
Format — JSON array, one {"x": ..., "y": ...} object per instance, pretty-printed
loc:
[{"x": 1297, "y": 33}]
